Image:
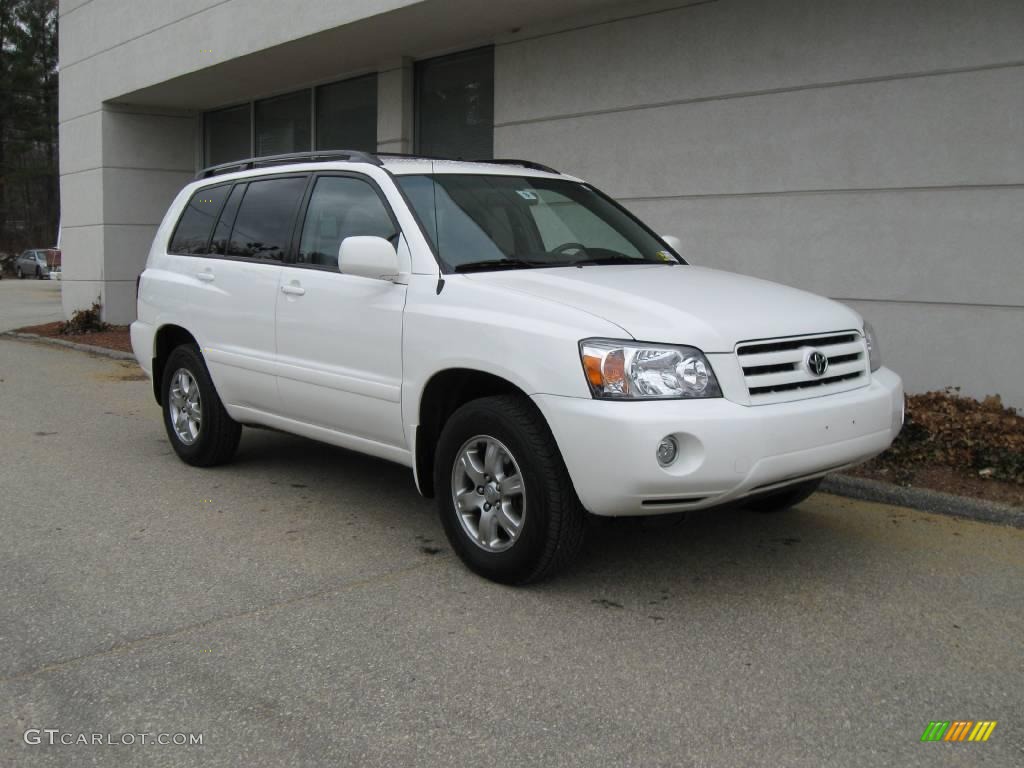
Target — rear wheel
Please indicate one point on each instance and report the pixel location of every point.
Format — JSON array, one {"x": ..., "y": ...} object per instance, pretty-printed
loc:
[
  {"x": 507, "y": 504},
  {"x": 200, "y": 430},
  {"x": 784, "y": 499}
]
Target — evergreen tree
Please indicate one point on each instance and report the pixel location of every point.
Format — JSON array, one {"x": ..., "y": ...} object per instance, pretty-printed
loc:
[{"x": 29, "y": 193}]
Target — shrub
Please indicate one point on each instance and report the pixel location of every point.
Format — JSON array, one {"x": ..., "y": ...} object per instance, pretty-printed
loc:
[{"x": 86, "y": 321}]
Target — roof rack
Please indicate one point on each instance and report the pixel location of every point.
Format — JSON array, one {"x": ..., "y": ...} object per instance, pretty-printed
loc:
[
  {"x": 350, "y": 155},
  {"x": 496, "y": 161},
  {"x": 524, "y": 163}
]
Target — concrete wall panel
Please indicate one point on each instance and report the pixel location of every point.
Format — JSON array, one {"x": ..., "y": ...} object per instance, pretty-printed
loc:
[
  {"x": 937, "y": 345},
  {"x": 139, "y": 196},
  {"x": 81, "y": 198},
  {"x": 149, "y": 141},
  {"x": 81, "y": 143},
  {"x": 930, "y": 131},
  {"x": 81, "y": 253},
  {"x": 949, "y": 245},
  {"x": 742, "y": 46}
]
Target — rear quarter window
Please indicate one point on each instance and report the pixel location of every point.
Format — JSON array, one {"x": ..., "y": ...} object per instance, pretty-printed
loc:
[{"x": 192, "y": 234}]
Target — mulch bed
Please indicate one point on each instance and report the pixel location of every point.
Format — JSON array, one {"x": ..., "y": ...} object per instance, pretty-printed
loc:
[
  {"x": 116, "y": 337},
  {"x": 958, "y": 445}
]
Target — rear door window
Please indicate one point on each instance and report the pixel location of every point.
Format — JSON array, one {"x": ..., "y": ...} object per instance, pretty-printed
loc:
[
  {"x": 263, "y": 227},
  {"x": 192, "y": 235},
  {"x": 222, "y": 234}
]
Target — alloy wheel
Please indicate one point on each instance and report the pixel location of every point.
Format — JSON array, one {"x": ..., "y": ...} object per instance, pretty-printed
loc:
[
  {"x": 488, "y": 493},
  {"x": 185, "y": 406}
]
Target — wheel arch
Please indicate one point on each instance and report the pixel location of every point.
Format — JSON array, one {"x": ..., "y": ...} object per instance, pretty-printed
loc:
[
  {"x": 166, "y": 340},
  {"x": 445, "y": 392}
]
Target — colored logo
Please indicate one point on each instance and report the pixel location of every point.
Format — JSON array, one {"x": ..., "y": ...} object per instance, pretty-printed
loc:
[
  {"x": 817, "y": 363},
  {"x": 958, "y": 730}
]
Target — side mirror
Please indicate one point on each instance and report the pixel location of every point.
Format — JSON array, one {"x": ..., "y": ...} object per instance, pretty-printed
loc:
[
  {"x": 674, "y": 243},
  {"x": 372, "y": 257}
]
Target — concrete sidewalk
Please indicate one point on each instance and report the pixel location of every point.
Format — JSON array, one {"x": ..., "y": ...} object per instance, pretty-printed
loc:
[
  {"x": 301, "y": 607},
  {"x": 29, "y": 302}
]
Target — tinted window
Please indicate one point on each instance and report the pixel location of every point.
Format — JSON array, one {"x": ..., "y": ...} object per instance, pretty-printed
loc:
[
  {"x": 263, "y": 227},
  {"x": 341, "y": 207},
  {"x": 455, "y": 105},
  {"x": 346, "y": 115},
  {"x": 222, "y": 234},
  {"x": 196, "y": 222},
  {"x": 227, "y": 135},
  {"x": 284, "y": 124}
]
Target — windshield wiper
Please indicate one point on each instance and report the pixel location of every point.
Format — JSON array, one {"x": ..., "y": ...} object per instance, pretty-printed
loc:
[
  {"x": 608, "y": 260},
  {"x": 488, "y": 264}
]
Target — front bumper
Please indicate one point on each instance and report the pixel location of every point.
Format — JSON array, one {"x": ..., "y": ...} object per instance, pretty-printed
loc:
[{"x": 726, "y": 450}]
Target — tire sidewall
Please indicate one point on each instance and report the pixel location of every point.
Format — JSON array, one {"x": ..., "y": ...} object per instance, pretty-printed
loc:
[
  {"x": 518, "y": 562},
  {"x": 188, "y": 358}
]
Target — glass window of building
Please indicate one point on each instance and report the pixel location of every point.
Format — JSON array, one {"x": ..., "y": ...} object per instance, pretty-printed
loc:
[
  {"x": 346, "y": 115},
  {"x": 284, "y": 124},
  {"x": 455, "y": 105},
  {"x": 227, "y": 135}
]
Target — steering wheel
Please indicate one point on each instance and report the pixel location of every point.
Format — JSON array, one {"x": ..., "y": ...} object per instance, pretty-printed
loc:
[{"x": 570, "y": 246}]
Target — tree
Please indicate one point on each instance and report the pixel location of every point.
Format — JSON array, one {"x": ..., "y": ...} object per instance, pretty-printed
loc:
[{"x": 29, "y": 193}]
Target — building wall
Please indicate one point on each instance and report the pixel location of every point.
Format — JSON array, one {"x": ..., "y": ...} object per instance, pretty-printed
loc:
[
  {"x": 868, "y": 150},
  {"x": 121, "y": 164}
]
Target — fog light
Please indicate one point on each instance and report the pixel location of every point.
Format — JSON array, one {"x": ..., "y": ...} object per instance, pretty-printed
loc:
[{"x": 667, "y": 450}]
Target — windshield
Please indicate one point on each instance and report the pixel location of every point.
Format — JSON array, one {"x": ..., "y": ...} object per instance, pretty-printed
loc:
[{"x": 510, "y": 222}]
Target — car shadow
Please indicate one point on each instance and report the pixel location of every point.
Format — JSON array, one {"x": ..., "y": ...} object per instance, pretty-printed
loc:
[{"x": 730, "y": 548}]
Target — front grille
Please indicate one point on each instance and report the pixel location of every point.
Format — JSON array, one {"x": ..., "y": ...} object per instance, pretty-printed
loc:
[{"x": 777, "y": 370}]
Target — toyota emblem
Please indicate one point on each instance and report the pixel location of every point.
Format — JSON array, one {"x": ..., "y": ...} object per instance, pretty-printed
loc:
[{"x": 817, "y": 363}]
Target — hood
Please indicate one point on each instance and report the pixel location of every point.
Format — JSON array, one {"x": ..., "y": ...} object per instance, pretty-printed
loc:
[{"x": 705, "y": 308}]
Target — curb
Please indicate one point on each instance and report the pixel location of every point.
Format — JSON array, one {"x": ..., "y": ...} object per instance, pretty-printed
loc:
[
  {"x": 936, "y": 502},
  {"x": 102, "y": 351}
]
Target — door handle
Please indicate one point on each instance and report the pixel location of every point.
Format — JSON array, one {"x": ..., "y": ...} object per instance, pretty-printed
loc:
[
  {"x": 206, "y": 277},
  {"x": 293, "y": 290}
]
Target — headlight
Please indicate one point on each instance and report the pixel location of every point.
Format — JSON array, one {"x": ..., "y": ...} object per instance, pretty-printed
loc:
[
  {"x": 874, "y": 353},
  {"x": 618, "y": 370}
]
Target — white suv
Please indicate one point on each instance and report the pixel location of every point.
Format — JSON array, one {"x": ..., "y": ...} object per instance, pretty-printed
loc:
[{"x": 521, "y": 341}]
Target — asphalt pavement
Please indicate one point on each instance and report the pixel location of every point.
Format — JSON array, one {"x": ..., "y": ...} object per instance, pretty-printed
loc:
[
  {"x": 28, "y": 302},
  {"x": 301, "y": 607}
]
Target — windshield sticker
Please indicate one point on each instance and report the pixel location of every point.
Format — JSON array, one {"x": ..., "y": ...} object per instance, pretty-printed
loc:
[
  {"x": 527, "y": 194},
  {"x": 664, "y": 256}
]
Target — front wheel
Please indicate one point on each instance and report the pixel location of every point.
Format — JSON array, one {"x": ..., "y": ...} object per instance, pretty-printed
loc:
[
  {"x": 200, "y": 430},
  {"x": 505, "y": 498},
  {"x": 39, "y": 274},
  {"x": 784, "y": 499}
]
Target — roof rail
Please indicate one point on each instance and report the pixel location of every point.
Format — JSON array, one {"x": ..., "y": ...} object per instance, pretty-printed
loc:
[
  {"x": 350, "y": 155},
  {"x": 496, "y": 161},
  {"x": 525, "y": 163}
]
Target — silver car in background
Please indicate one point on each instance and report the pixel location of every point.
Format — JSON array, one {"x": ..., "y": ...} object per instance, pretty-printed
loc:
[{"x": 37, "y": 263}]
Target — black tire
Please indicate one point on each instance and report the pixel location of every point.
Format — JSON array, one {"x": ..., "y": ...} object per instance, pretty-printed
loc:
[
  {"x": 554, "y": 519},
  {"x": 218, "y": 434},
  {"x": 19, "y": 273},
  {"x": 39, "y": 274},
  {"x": 784, "y": 499}
]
